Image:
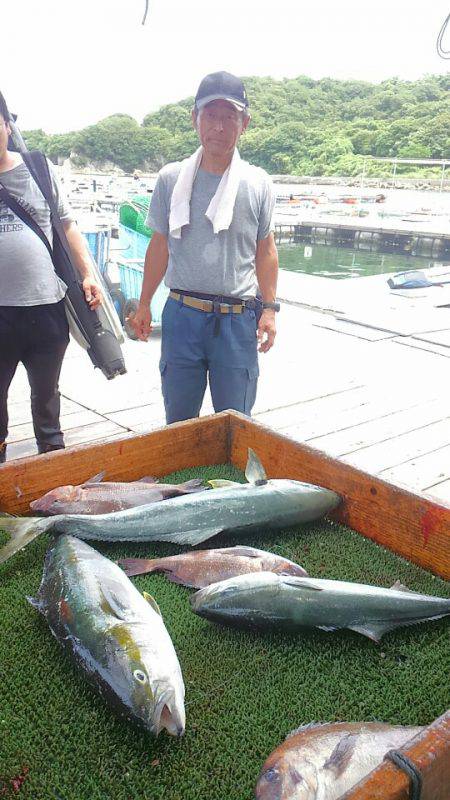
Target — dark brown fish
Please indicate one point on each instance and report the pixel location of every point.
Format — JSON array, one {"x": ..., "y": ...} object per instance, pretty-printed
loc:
[
  {"x": 104, "y": 497},
  {"x": 203, "y": 567}
]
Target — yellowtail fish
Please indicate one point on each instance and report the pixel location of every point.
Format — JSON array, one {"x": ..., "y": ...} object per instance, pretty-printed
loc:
[
  {"x": 116, "y": 635},
  {"x": 237, "y": 509},
  {"x": 265, "y": 600}
]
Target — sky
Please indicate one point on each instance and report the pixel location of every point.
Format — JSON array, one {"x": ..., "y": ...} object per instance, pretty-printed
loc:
[{"x": 65, "y": 64}]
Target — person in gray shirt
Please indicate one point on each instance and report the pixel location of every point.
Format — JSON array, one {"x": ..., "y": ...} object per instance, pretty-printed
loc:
[
  {"x": 213, "y": 245},
  {"x": 33, "y": 324}
]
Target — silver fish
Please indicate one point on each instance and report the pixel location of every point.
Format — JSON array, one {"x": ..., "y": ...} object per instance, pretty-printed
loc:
[
  {"x": 191, "y": 519},
  {"x": 116, "y": 635},
  {"x": 322, "y": 762},
  {"x": 264, "y": 599}
]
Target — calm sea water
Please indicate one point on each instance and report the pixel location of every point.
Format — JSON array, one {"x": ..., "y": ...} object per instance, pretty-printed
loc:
[
  {"x": 317, "y": 259},
  {"x": 339, "y": 262},
  {"x": 335, "y": 261},
  {"x": 329, "y": 261}
]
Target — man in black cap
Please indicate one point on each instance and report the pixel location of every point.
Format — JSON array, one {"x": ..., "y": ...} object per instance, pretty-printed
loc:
[{"x": 213, "y": 244}]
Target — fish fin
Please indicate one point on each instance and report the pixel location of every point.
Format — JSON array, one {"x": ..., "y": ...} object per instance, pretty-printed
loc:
[
  {"x": 373, "y": 630},
  {"x": 95, "y": 478},
  {"x": 142, "y": 566},
  {"x": 136, "y": 566},
  {"x": 307, "y": 727},
  {"x": 301, "y": 583},
  {"x": 218, "y": 483},
  {"x": 254, "y": 471},
  {"x": 341, "y": 755},
  {"x": 287, "y": 570},
  {"x": 152, "y": 602},
  {"x": 192, "y": 537},
  {"x": 22, "y": 531},
  {"x": 35, "y": 602},
  {"x": 327, "y": 628},
  {"x": 174, "y": 578},
  {"x": 113, "y": 603},
  {"x": 167, "y": 572},
  {"x": 194, "y": 485},
  {"x": 400, "y": 587},
  {"x": 147, "y": 479},
  {"x": 242, "y": 550}
]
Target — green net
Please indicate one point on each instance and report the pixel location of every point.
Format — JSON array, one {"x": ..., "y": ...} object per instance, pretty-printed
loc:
[
  {"x": 133, "y": 214},
  {"x": 245, "y": 689}
]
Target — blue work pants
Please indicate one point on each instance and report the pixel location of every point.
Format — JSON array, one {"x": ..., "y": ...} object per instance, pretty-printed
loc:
[{"x": 197, "y": 345}]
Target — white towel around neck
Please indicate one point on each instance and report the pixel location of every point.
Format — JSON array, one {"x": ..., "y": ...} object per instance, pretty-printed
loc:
[{"x": 221, "y": 207}]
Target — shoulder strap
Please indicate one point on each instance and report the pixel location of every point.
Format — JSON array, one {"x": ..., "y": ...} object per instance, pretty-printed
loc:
[
  {"x": 38, "y": 167},
  {"x": 12, "y": 203}
]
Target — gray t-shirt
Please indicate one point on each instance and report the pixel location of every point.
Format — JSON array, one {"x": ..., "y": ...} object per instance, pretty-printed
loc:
[
  {"x": 202, "y": 261},
  {"x": 27, "y": 275}
]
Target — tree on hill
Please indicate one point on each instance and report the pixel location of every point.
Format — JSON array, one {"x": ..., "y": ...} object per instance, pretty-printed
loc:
[{"x": 299, "y": 126}]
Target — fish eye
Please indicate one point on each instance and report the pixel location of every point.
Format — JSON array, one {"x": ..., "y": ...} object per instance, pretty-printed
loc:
[
  {"x": 140, "y": 676},
  {"x": 271, "y": 775}
]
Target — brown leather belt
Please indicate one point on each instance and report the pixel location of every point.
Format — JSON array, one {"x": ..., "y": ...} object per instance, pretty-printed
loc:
[{"x": 207, "y": 305}]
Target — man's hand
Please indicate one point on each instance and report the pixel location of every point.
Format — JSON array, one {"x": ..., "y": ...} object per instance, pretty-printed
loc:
[
  {"x": 92, "y": 293},
  {"x": 83, "y": 261},
  {"x": 142, "y": 322},
  {"x": 266, "y": 330}
]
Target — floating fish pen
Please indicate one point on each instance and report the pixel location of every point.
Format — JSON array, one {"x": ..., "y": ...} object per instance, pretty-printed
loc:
[
  {"x": 245, "y": 690},
  {"x": 373, "y": 239}
]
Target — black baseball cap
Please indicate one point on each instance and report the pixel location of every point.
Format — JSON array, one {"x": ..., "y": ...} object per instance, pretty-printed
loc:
[{"x": 221, "y": 86}]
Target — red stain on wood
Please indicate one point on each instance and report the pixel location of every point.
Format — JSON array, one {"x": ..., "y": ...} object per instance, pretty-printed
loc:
[{"x": 431, "y": 519}]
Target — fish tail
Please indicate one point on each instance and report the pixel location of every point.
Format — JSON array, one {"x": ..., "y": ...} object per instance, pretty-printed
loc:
[
  {"x": 22, "y": 530},
  {"x": 138, "y": 566}
]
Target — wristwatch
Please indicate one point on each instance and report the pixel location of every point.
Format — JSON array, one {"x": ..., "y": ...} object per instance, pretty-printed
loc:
[{"x": 273, "y": 306}]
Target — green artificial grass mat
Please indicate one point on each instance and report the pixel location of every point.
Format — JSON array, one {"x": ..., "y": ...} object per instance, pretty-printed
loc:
[{"x": 244, "y": 690}]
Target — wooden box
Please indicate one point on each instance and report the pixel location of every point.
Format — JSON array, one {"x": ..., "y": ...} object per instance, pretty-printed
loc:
[{"x": 412, "y": 526}]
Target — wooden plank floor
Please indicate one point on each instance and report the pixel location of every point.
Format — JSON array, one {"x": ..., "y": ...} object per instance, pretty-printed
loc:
[{"x": 361, "y": 398}]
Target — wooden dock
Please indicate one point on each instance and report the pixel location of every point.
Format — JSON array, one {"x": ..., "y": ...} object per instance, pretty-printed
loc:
[
  {"x": 374, "y": 398},
  {"x": 356, "y": 234}
]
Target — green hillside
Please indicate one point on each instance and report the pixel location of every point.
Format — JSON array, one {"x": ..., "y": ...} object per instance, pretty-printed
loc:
[{"x": 299, "y": 126}]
